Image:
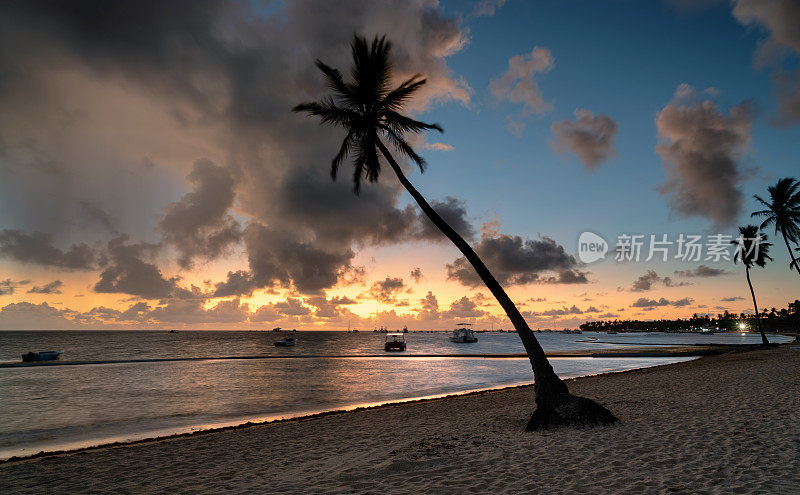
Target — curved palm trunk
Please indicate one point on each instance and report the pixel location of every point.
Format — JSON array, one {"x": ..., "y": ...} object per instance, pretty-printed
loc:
[
  {"x": 791, "y": 254},
  {"x": 555, "y": 406},
  {"x": 764, "y": 340}
]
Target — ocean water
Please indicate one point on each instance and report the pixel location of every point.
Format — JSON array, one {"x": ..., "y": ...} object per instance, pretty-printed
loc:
[{"x": 59, "y": 407}]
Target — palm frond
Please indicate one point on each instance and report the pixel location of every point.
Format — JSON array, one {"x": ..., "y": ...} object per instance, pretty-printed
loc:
[
  {"x": 358, "y": 168},
  {"x": 763, "y": 202},
  {"x": 344, "y": 150},
  {"x": 335, "y": 81},
  {"x": 404, "y": 148},
  {"x": 402, "y": 124},
  {"x": 401, "y": 94},
  {"x": 327, "y": 110},
  {"x": 373, "y": 162}
]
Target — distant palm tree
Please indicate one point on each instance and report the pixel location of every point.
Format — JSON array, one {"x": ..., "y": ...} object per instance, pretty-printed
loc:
[
  {"x": 783, "y": 210},
  {"x": 753, "y": 249},
  {"x": 369, "y": 111}
]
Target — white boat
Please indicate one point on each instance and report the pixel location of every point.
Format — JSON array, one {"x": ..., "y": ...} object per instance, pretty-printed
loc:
[
  {"x": 286, "y": 341},
  {"x": 463, "y": 334}
]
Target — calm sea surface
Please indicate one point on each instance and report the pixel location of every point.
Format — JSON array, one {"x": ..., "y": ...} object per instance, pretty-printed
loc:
[{"x": 57, "y": 407}]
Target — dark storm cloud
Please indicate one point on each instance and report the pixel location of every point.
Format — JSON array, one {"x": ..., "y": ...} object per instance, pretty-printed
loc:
[
  {"x": 338, "y": 217},
  {"x": 25, "y": 315},
  {"x": 428, "y": 307},
  {"x": 53, "y": 287},
  {"x": 8, "y": 286},
  {"x": 329, "y": 308},
  {"x": 97, "y": 214},
  {"x": 643, "y": 302},
  {"x": 37, "y": 248},
  {"x": 650, "y": 279},
  {"x": 563, "y": 311},
  {"x": 278, "y": 257},
  {"x": 645, "y": 282},
  {"x": 227, "y": 75},
  {"x": 732, "y": 299},
  {"x": 136, "y": 312},
  {"x": 452, "y": 211},
  {"x": 463, "y": 308},
  {"x": 198, "y": 225},
  {"x": 701, "y": 148},
  {"x": 781, "y": 18},
  {"x": 191, "y": 311},
  {"x": 701, "y": 271},
  {"x": 589, "y": 137},
  {"x": 514, "y": 262},
  {"x": 386, "y": 291},
  {"x": 238, "y": 283},
  {"x": 292, "y": 308},
  {"x": 126, "y": 272}
]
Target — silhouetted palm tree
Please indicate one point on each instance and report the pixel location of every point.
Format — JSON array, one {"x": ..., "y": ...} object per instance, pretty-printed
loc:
[
  {"x": 369, "y": 111},
  {"x": 752, "y": 248},
  {"x": 783, "y": 210}
]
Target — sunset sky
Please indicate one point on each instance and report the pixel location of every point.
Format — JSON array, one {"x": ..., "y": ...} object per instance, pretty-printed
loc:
[{"x": 152, "y": 174}]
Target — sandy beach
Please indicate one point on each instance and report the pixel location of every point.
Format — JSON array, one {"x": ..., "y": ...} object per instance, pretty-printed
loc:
[{"x": 720, "y": 424}]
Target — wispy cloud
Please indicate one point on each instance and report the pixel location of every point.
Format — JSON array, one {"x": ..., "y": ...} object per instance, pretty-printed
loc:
[
  {"x": 438, "y": 146},
  {"x": 518, "y": 84}
]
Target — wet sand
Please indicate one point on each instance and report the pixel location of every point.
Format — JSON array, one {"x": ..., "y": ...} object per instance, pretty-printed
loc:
[{"x": 719, "y": 424}]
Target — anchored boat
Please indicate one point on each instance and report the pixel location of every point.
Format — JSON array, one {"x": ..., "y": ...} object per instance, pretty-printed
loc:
[
  {"x": 395, "y": 342},
  {"x": 287, "y": 341},
  {"x": 41, "y": 356},
  {"x": 463, "y": 334}
]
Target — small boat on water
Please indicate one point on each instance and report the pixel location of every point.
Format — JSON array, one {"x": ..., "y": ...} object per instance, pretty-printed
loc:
[
  {"x": 286, "y": 341},
  {"x": 276, "y": 329},
  {"x": 463, "y": 334},
  {"x": 611, "y": 332},
  {"x": 395, "y": 342},
  {"x": 41, "y": 356}
]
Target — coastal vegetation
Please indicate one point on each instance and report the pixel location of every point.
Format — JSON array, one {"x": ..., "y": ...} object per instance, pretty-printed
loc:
[{"x": 772, "y": 320}]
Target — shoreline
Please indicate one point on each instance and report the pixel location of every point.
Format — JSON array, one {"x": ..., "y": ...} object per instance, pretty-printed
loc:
[
  {"x": 268, "y": 419},
  {"x": 718, "y": 423}
]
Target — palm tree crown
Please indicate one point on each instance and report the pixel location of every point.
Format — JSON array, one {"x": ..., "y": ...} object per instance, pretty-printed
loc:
[
  {"x": 752, "y": 247},
  {"x": 368, "y": 109},
  {"x": 783, "y": 209}
]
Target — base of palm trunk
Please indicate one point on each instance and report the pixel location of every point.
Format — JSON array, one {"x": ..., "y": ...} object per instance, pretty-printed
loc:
[{"x": 568, "y": 410}]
